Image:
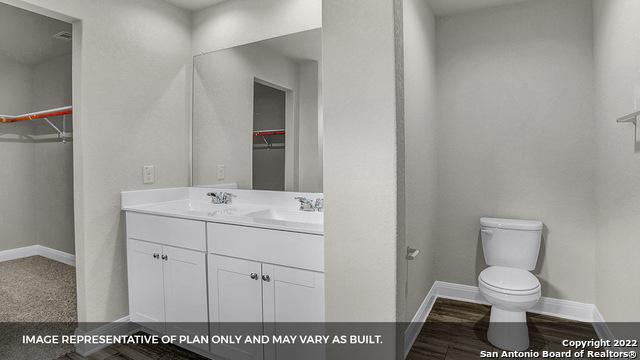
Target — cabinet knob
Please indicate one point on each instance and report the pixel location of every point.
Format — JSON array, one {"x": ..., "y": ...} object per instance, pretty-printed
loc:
[
  {"x": 254, "y": 276},
  {"x": 266, "y": 278},
  {"x": 165, "y": 257},
  {"x": 156, "y": 256}
]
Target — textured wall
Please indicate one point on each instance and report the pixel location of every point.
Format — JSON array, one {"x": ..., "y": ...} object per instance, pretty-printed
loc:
[
  {"x": 360, "y": 160},
  {"x": 131, "y": 107},
  {"x": 17, "y": 173},
  {"x": 420, "y": 151},
  {"x": 617, "y": 53},
  {"x": 53, "y": 160},
  {"x": 516, "y": 137}
]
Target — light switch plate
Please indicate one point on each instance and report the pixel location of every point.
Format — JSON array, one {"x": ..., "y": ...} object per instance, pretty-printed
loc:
[
  {"x": 220, "y": 172},
  {"x": 148, "y": 174}
]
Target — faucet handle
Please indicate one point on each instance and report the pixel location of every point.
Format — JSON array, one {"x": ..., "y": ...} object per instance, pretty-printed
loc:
[
  {"x": 319, "y": 204},
  {"x": 228, "y": 197},
  {"x": 216, "y": 198},
  {"x": 305, "y": 204},
  {"x": 221, "y": 197}
]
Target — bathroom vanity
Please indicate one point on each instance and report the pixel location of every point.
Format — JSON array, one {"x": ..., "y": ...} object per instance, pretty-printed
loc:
[{"x": 194, "y": 265}]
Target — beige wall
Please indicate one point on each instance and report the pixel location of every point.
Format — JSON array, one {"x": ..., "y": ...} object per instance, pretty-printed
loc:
[
  {"x": 420, "y": 148},
  {"x": 130, "y": 99},
  {"x": 516, "y": 137},
  {"x": 360, "y": 160},
  {"x": 17, "y": 223},
  {"x": 617, "y": 51}
]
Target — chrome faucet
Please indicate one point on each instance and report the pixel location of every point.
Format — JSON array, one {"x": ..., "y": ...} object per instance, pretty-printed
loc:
[
  {"x": 309, "y": 205},
  {"x": 221, "y": 197}
]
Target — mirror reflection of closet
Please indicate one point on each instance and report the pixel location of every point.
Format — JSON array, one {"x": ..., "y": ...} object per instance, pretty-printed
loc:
[
  {"x": 269, "y": 128},
  {"x": 257, "y": 115}
]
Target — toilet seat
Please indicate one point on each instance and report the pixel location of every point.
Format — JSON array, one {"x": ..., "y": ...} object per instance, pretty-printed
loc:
[{"x": 508, "y": 280}]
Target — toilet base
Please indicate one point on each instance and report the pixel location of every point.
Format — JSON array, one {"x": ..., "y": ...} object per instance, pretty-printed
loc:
[{"x": 508, "y": 329}]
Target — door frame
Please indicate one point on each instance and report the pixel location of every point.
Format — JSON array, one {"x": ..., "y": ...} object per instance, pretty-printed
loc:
[{"x": 290, "y": 138}]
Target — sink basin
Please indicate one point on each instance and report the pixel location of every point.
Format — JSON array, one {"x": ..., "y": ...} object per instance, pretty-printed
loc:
[
  {"x": 201, "y": 209},
  {"x": 290, "y": 216}
]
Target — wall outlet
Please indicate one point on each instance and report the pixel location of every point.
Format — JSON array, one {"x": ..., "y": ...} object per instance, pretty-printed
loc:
[
  {"x": 148, "y": 174},
  {"x": 220, "y": 172}
]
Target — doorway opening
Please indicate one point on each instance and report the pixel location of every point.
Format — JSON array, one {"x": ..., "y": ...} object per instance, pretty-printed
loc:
[
  {"x": 269, "y": 130},
  {"x": 37, "y": 245}
]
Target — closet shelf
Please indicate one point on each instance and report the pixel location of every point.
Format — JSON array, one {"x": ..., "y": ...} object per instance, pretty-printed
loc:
[
  {"x": 67, "y": 110},
  {"x": 44, "y": 115},
  {"x": 267, "y": 142},
  {"x": 269, "y": 132}
]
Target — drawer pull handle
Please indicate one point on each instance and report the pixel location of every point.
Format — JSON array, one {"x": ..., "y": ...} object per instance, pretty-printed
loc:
[
  {"x": 266, "y": 278},
  {"x": 254, "y": 276}
]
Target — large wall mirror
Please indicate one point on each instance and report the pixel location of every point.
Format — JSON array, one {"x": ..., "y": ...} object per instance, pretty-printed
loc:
[{"x": 257, "y": 115}]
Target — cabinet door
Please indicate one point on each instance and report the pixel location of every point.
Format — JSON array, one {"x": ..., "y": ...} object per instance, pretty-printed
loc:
[
  {"x": 146, "y": 298},
  {"x": 293, "y": 300},
  {"x": 185, "y": 293},
  {"x": 235, "y": 304},
  {"x": 292, "y": 295}
]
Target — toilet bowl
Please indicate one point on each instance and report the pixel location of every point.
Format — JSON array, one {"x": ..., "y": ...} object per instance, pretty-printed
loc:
[
  {"x": 511, "y": 250},
  {"x": 511, "y": 292}
]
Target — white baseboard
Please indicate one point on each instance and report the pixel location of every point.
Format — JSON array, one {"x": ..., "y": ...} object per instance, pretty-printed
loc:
[
  {"x": 119, "y": 327},
  {"x": 602, "y": 330},
  {"x": 565, "y": 309},
  {"x": 414, "y": 328},
  {"x": 19, "y": 253},
  {"x": 38, "y": 250},
  {"x": 56, "y": 255}
]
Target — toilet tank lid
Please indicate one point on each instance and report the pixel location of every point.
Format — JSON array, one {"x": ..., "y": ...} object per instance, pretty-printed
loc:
[{"x": 511, "y": 224}]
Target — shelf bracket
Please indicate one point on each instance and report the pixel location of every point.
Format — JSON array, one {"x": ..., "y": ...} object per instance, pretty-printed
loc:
[
  {"x": 633, "y": 119},
  {"x": 62, "y": 135},
  {"x": 269, "y": 145}
]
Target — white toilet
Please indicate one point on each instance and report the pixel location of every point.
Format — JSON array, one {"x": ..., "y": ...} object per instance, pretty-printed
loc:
[{"x": 511, "y": 250}]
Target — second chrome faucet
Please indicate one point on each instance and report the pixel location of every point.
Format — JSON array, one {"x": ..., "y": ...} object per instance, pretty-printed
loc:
[
  {"x": 310, "y": 205},
  {"x": 221, "y": 197}
]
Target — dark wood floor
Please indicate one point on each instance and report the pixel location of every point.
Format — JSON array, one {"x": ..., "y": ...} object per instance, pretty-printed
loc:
[
  {"x": 138, "y": 352},
  {"x": 458, "y": 330},
  {"x": 453, "y": 330}
]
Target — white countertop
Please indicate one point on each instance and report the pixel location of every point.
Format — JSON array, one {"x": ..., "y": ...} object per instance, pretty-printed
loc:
[{"x": 262, "y": 209}]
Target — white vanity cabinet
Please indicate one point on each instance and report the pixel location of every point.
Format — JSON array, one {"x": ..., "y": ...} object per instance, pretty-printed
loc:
[
  {"x": 240, "y": 275},
  {"x": 146, "y": 284},
  {"x": 167, "y": 284},
  {"x": 256, "y": 279},
  {"x": 249, "y": 291}
]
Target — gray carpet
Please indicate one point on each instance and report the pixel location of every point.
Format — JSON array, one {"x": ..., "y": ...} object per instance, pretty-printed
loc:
[
  {"x": 37, "y": 297},
  {"x": 36, "y": 289}
]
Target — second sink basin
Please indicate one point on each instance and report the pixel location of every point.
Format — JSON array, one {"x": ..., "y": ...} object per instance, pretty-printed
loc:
[{"x": 291, "y": 216}]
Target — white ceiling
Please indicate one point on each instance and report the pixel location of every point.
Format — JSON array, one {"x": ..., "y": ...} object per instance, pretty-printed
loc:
[
  {"x": 194, "y": 5},
  {"x": 450, "y": 7},
  {"x": 26, "y": 37}
]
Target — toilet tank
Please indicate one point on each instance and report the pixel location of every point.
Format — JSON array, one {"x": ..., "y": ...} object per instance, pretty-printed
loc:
[{"x": 510, "y": 242}]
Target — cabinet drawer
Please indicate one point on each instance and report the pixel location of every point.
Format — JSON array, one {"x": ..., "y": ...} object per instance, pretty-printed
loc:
[
  {"x": 188, "y": 234},
  {"x": 305, "y": 251}
]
